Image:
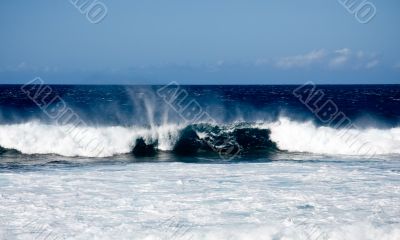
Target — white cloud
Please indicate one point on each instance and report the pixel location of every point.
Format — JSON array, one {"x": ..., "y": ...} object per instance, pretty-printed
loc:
[
  {"x": 341, "y": 56},
  {"x": 344, "y": 58},
  {"x": 343, "y": 51},
  {"x": 372, "y": 64},
  {"x": 338, "y": 61},
  {"x": 360, "y": 54},
  {"x": 301, "y": 60}
]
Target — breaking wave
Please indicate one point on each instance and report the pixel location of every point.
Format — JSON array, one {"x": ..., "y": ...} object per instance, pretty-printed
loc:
[{"x": 237, "y": 138}]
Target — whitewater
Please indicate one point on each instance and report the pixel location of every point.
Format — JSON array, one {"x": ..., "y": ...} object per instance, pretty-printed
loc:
[
  {"x": 320, "y": 199},
  {"x": 35, "y": 137},
  {"x": 267, "y": 168}
]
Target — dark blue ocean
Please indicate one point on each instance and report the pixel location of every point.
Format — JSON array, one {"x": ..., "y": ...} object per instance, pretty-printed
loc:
[
  {"x": 235, "y": 121},
  {"x": 120, "y": 105},
  {"x": 200, "y": 162}
]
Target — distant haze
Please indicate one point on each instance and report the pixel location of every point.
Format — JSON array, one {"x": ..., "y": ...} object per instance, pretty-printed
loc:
[{"x": 198, "y": 42}]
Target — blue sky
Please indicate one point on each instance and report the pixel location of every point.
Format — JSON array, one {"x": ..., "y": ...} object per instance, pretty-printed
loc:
[{"x": 199, "y": 42}]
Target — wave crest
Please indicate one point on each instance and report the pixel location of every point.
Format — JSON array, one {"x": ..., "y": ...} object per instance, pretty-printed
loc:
[{"x": 284, "y": 134}]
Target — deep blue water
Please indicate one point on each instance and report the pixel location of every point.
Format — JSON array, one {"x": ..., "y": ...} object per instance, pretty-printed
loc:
[
  {"x": 209, "y": 122},
  {"x": 123, "y": 105},
  {"x": 290, "y": 173}
]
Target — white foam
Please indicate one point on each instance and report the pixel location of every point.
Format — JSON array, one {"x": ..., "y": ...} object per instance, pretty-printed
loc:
[
  {"x": 296, "y": 136},
  {"x": 182, "y": 201},
  {"x": 38, "y": 138}
]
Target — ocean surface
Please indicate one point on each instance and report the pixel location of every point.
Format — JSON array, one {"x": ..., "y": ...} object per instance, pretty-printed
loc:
[{"x": 200, "y": 162}]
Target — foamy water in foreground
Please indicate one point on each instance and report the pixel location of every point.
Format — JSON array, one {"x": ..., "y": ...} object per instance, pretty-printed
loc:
[{"x": 347, "y": 199}]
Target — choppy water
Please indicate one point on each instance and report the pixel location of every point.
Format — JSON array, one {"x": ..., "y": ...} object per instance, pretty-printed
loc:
[
  {"x": 264, "y": 166},
  {"x": 323, "y": 198}
]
